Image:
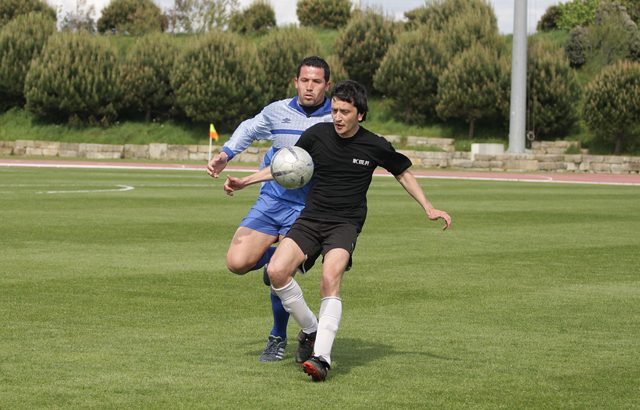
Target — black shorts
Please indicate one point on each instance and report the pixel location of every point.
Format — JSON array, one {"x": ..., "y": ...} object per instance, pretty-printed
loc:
[{"x": 316, "y": 238}]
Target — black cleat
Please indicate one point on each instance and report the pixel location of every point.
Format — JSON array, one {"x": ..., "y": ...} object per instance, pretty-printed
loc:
[
  {"x": 265, "y": 276},
  {"x": 305, "y": 346},
  {"x": 316, "y": 368}
]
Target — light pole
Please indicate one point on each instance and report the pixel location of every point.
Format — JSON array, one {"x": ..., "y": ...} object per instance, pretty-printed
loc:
[{"x": 518, "y": 107}]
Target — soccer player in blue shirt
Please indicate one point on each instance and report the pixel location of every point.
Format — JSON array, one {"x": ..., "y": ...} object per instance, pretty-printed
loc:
[{"x": 276, "y": 208}]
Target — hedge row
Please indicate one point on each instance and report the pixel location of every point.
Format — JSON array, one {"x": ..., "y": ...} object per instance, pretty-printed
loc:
[{"x": 224, "y": 77}]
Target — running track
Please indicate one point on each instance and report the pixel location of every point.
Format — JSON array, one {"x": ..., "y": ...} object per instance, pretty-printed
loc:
[{"x": 575, "y": 178}]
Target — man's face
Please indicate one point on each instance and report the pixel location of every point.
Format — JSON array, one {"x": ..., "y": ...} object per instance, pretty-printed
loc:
[
  {"x": 311, "y": 86},
  {"x": 346, "y": 119}
]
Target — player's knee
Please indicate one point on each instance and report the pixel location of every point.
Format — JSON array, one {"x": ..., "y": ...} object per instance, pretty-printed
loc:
[
  {"x": 237, "y": 265},
  {"x": 277, "y": 275}
]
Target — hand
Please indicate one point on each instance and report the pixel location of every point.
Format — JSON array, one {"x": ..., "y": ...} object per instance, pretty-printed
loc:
[
  {"x": 233, "y": 184},
  {"x": 217, "y": 164},
  {"x": 435, "y": 214}
]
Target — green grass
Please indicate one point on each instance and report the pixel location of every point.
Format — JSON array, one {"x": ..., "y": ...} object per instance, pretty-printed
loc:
[
  {"x": 17, "y": 124},
  {"x": 122, "y": 300}
]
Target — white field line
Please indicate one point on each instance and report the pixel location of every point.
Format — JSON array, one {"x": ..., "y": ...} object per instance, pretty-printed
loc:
[{"x": 121, "y": 188}]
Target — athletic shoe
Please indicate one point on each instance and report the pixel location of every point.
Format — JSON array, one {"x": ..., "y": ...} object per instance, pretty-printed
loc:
[
  {"x": 274, "y": 350},
  {"x": 305, "y": 346},
  {"x": 265, "y": 276},
  {"x": 316, "y": 368}
]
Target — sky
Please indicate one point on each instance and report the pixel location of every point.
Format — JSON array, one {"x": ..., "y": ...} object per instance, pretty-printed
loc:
[{"x": 286, "y": 10}]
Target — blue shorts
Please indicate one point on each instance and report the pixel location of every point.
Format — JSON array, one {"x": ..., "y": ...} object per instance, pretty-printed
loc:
[{"x": 271, "y": 216}]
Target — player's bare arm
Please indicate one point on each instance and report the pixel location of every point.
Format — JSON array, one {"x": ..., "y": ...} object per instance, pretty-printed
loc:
[
  {"x": 410, "y": 184},
  {"x": 233, "y": 184}
]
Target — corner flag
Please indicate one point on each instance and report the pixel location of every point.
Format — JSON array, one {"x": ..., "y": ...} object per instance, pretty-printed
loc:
[{"x": 213, "y": 134}]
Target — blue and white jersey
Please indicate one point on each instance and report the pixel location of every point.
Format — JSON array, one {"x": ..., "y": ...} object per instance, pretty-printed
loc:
[{"x": 281, "y": 122}]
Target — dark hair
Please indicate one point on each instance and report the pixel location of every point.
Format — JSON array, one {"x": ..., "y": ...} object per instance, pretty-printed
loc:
[
  {"x": 315, "y": 61},
  {"x": 352, "y": 92}
]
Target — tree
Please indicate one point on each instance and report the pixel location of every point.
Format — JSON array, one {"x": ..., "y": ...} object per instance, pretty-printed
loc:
[
  {"x": 75, "y": 78},
  {"x": 9, "y": 9},
  {"x": 134, "y": 17},
  {"x": 577, "y": 13},
  {"x": 219, "y": 79},
  {"x": 435, "y": 15},
  {"x": 21, "y": 40},
  {"x": 470, "y": 26},
  {"x": 612, "y": 104},
  {"x": 323, "y": 13},
  {"x": 81, "y": 18},
  {"x": 471, "y": 86},
  {"x": 280, "y": 53},
  {"x": 549, "y": 20},
  {"x": 362, "y": 45},
  {"x": 553, "y": 92},
  {"x": 146, "y": 74},
  {"x": 258, "y": 18},
  {"x": 612, "y": 36},
  {"x": 199, "y": 16},
  {"x": 409, "y": 73}
]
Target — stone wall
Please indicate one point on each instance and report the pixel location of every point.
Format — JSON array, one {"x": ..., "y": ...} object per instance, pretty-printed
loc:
[{"x": 544, "y": 156}]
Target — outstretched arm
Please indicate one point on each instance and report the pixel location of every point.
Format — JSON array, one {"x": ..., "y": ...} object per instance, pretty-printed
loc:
[
  {"x": 410, "y": 184},
  {"x": 253, "y": 129},
  {"x": 233, "y": 184}
]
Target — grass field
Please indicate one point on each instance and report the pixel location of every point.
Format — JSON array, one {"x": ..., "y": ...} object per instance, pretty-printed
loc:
[{"x": 120, "y": 299}]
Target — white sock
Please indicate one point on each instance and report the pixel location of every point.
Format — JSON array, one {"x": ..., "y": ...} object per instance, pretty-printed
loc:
[
  {"x": 330, "y": 315},
  {"x": 293, "y": 302}
]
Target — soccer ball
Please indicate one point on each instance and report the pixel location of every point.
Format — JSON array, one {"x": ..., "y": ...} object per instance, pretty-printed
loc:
[{"x": 292, "y": 167}]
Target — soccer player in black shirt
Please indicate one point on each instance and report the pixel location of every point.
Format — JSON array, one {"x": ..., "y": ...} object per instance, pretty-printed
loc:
[{"x": 345, "y": 156}]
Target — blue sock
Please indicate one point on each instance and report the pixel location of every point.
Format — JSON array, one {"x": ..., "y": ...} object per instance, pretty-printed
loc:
[
  {"x": 264, "y": 258},
  {"x": 280, "y": 317}
]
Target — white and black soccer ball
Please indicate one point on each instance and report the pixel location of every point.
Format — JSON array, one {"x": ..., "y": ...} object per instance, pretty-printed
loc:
[{"x": 292, "y": 167}]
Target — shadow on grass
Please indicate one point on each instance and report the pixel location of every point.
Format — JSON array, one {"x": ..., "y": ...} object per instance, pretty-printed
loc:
[{"x": 353, "y": 353}]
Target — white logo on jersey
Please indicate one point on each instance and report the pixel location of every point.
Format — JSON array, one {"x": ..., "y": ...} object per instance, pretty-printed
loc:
[{"x": 361, "y": 162}]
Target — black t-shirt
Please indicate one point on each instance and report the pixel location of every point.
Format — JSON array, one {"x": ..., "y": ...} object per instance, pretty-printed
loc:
[{"x": 343, "y": 169}]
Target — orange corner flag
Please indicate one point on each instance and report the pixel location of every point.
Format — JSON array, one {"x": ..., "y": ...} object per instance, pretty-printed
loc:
[{"x": 213, "y": 134}]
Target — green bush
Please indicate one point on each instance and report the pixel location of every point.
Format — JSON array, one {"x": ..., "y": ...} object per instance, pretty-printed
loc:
[
  {"x": 577, "y": 46},
  {"x": 323, "y": 13},
  {"x": 134, "y": 17},
  {"x": 409, "y": 72},
  {"x": 280, "y": 53},
  {"x": 362, "y": 45},
  {"x": 613, "y": 35},
  {"x": 74, "y": 79},
  {"x": 9, "y": 9},
  {"x": 21, "y": 40},
  {"x": 549, "y": 20},
  {"x": 435, "y": 15},
  {"x": 612, "y": 105},
  {"x": 470, "y": 26},
  {"x": 146, "y": 75},
  {"x": 473, "y": 86},
  {"x": 338, "y": 72},
  {"x": 553, "y": 93},
  {"x": 258, "y": 18},
  {"x": 633, "y": 9},
  {"x": 220, "y": 79},
  {"x": 577, "y": 13}
]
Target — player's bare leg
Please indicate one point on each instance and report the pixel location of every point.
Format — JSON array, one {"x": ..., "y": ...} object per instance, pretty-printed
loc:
[{"x": 246, "y": 249}]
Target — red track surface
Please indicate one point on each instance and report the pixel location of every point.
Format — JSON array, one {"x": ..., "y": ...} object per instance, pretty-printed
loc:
[{"x": 579, "y": 178}]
